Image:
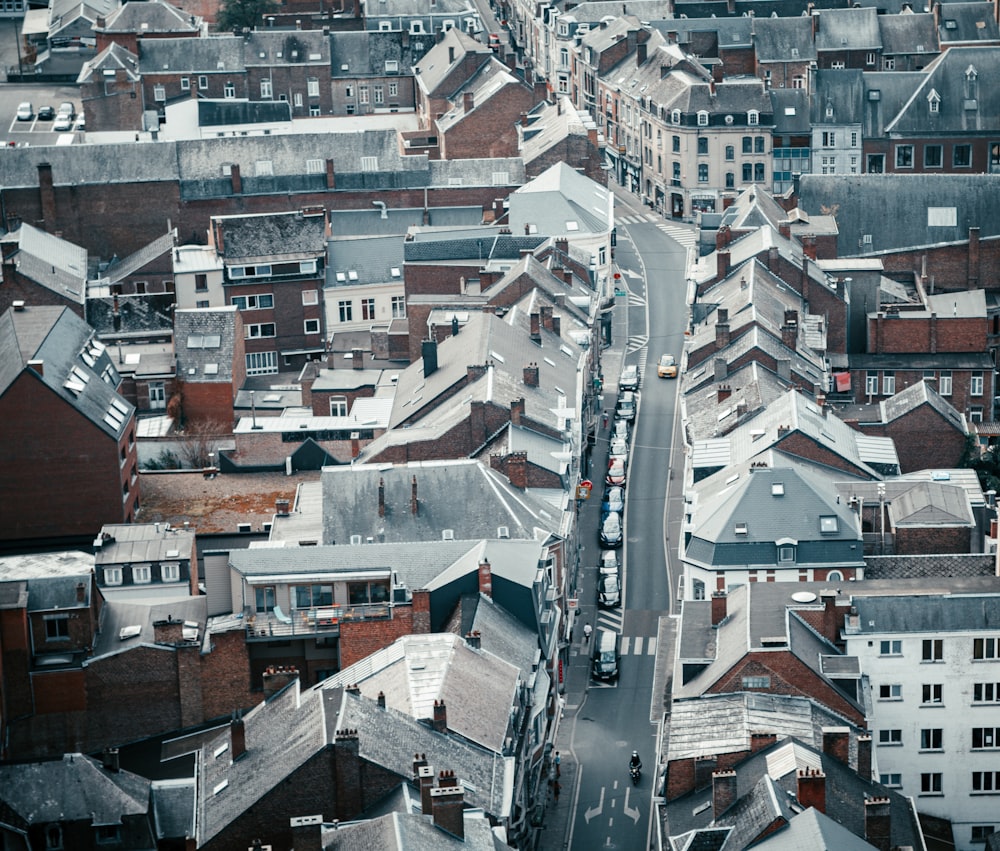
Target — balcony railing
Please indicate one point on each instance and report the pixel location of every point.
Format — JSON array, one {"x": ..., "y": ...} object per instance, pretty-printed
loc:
[{"x": 321, "y": 621}]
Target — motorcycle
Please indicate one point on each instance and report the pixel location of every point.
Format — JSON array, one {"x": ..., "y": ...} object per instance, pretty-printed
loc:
[{"x": 635, "y": 772}]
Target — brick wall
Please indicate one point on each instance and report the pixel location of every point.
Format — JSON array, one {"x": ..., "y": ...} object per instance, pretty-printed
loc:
[
  {"x": 225, "y": 676},
  {"x": 801, "y": 446},
  {"x": 908, "y": 333},
  {"x": 205, "y": 401},
  {"x": 18, "y": 288},
  {"x": 15, "y": 664},
  {"x": 953, "y": 266},
  {"x": 359, "y": 639},
  {"x": 59, "y": 691},
  {"x": 923, "y": 438},
  {"x": 489, "y": 131},
  {"x": 933, "y": 540},
  {"x": 112, "y": 106}
]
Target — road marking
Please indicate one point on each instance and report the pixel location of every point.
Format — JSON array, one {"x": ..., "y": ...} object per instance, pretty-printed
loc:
[
  {"x": 632, "y": 813},
  {"x": 684, "y": 236},
  {"x": 636, "y": 343},
  {"x": 625, "y": 643},
  {"x": 651, "y": 648},
  {"x": 596, "y": 810},
  {"x": 636, "y": 300}
]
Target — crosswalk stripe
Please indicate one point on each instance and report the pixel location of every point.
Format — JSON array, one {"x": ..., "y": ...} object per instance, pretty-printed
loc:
[
  {"x": 652, "y": 217},
  {"x": 638, "y": 645},
  {"x": 625, "y": 642},
  {"x": 636, "y": 300},
  {"x": 651, "y": 646}
]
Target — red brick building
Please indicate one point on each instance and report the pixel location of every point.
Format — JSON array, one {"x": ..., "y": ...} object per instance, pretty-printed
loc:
[
  {"x": 60, "y": 407},
  {"x": 211, "y": 363}
]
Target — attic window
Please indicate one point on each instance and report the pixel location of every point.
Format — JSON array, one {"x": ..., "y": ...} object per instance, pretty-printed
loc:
[
  {"x": 220, "y": 750},
  {"x": 828, "y": 524},
  {"x": 741, "y": 529},
  {"x": 394, "y": 272},
  {"x": 503, "y": 532},
  {"x": 220, "y": 786},
  {"x": 352, "y": 275},
  {"x": 778, "y": 489},
  {"x": 447, "y": 534},
  {"x": 355, "y": 539},
  {"x": 571, "y": 226},
  {"x": 341, "y": 277}
]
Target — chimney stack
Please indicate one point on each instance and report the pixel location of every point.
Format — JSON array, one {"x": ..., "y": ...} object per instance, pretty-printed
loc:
[
  {"x": 535, "y": 328},
  {"x": 865, "y": 757},
  {"x": 531, "y": 375},
  {"x": 277, "y": 677},
  {"x": 545, "y": 313},
  {"x": 486, "y": 578},
  {"x": 448, "y": 805},
  {"x": 723, "y": 791},
  {"x": 281, "y": 507},
  {"x": 517, "y": 470},
  {"x": 81, "y": 592},
  {"x": 429, "y": 353},
  {"x": 836, "y": 743},
  {"x": 878, "y": 824},
  {"x": 719, "y": 606},
  {"x": 812, "y": 789},
  {"x": 721, "y": 335},
  {"x": 414, "y": 505},
  {"x": 357, "y": 359},
  {"x": 381, "y": 700},
  {"x": 237, "y": 736},
  {"x": 724, "y": 392},
  {"x": 110, "y": 760},
  {"x": 828, "y": 596},
  {"x": 381, "y": 497},
  {"x": 721, "y": 264},
  {"x": 425, "y": 777},
  {"x": 474, "y": 640},
  {"x": 440, "y": 720}
]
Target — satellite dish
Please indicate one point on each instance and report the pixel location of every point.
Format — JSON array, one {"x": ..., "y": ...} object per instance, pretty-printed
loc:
[{"x": 804, "y": 597}]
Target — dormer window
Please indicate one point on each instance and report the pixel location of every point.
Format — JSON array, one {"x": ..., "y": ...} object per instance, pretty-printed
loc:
[
  {"x": 934, "y": 101},
  {"x": 753, "y": 117},
  {"x": 702, "y": 118},
  {"x": 675, "y": 116}
]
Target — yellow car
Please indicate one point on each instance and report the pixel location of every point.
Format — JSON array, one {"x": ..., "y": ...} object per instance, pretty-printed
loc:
[{"x": 667, "y": 367}]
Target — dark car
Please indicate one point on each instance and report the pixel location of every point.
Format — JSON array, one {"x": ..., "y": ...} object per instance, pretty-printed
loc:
[
  {"x": 616, "y": 472},
  {"x": 614, "y": 500},
  {"x": 604, "y": 657},
  {"x": 609, "y": 591},
  {"x": 626, "y": 407},
  {"x": 611, "y": 530},
  {"x": 629, "y": 379},
  {"x": 46, "y": 113}
]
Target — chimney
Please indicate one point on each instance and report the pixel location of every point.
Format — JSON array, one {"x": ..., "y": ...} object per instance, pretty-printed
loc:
[
  {"x": 723, "y": 236},
  {"x": 81, "y": 592},
  {"x": 785, "y": 369},
  {"x": 278, "y": 677},
  {"x": 414, "y": 505},
  {"x": 307, "y": 832},
  {"x": 451, "y": 54},
  {"x": 380, "y": 700},
  {"x": 759, "y": 740},
  {"x": 772, "y": 259},
  {"x": 836, "y": 743},
  {"x": 865, "y": 757},
  {"x": 640, "y": 54},
  {"x": 721, "y": 368},
  {"x": 535, "y": 333},
  {"x": 357, "y": 359},
  {"x": 790, "y": 330},
  {"x": 972, "y": 278},
  {"x": 724, "y": 392},
  {"x": 517, "y": 411},
  {"x": 517, "y": 470},
  {"x": 331, "y": 175},
  {"x": 545, "y": 311},
  {"x": 474, "y": 640},
  {"x": 355, "y": 444},
  {"x": 828, "y": 596},
  {"x": 722, "y": 315},
  {"x": 721, "y": 335},
  {"x": 531, "y": 375},
  {"x": 381, "y": 497},
  {"x": 109, "y": 760},
  {"x": 723, "y": 791},
  {"x": 425, "y": 777},
  {"x": 812, "y": 789},
  {"x": 557, "y": 326},
  {"x": 448, "y": 805},
  {"x": 878, "y": 823},
  {"x": 429, "y": 352},
  {"x": 468, "y": 101},
  {"x": 37, "y": 365},
  {"x": 784, "y": 230},
  {"x": 719, "y": 605},
  {"x": 281, "y": 507},
  {"x": 237, "y": 736},
  {"x": 485, "y": 578},
  {"x": 440, "y": 720},
  {"x": 721, "y": 264},
  {"x": 235, "y": 179},
  {"x": 168, "y": 631}
]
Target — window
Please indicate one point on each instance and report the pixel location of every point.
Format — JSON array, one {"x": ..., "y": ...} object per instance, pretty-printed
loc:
[
  {"x": 985, "y": 781},
  {"x": 985, "y": 737},
  {"x": 394, "y": 89},
  {"x": 982, "y": 832},
  {"x": 786, "y": 554},
  {"x": 930, "y": 693},
  {"x": 56, "y": 627},
  {"x": 265, "y": 89},
  {"x": 890, "y": 737},
  {"x": 756, "y": 682},
  {"x": 675, "y": 144},
  {"x": 944, "y": 382},
  {"x": 730, "y": 180},
  {"x": 107, "y": 834},
  {"x": 933, "y": 156},
  {"x": 747, "y": 144},
  {"x": 262, "y": 363},
  {"x": 930, "y": 784},
  {"x": 310, "y": 297},
  {"x": 159, "y": 93},
  {"x": 185, "y": 84},
  {"x": 112, "y": 576},
  {"x": 961, "y": 156},
  {"x": 893, "y": 781},
  {"x": 677, "y": 174},
  {"x": 363, "y": 94},
  {"x": 345, "y": 310},
  {"x": 976, "y": 384},
  {"x": 311, "y": 326},
  {"x": 730, "y": 152},
  {"x": 367, "y": 308},
  {"x": 753, "y": 117},
  {"x": 362, "y": 593},
  {"x": 890, "y": 691},
  {"x": 348, "y": 91},
  {"x": 262, "y": 301},
  {"x": 854, "y": 139},
  {"x": 986, "y": 693},
  {"x": 747, "y": 172},
  {"x": 829, "y": 139},
  {"x": 871, "y": 384},
  {"x": 888, "y": 63},
  {"x": 703, "y": 172},
  {"x": 891, "y": 648},
  {"x": 985, "y": 648},
  {"x": 312, "y": 87},
  {"x": 758, "y": 144},
  {"x": 930, "y": 739},
  {"x": 369, "y": 164},
  {"x": 297, "y": 98},
  {"x": 170, "y": 572},
  {"x": 202, "y": 82},
  {"x": 141, "y": 574},
  {"x": 675, "y": 116},
  {"x": 229, "y": 91},
  {"x": 201, "y": 283},
  {"x": 702, "y": 145},
  {"x": 703, "y": 119},
  {"x": 379, "y": 94},
  {"x": 262, "y": 329},
  {"x": 758, "y": 172},
  {"x": 264, "y": 598},
  {"x": 904, "y": 156},
  {"x": 933, "y": 650},
  {"x": 310, "y": 596},
  {"x": 338, "y": 406},
  {"x": 398, "y": 307}
]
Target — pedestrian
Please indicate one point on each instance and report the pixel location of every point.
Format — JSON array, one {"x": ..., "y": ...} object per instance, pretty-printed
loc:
[
  {"x": 557, "y": 761},
  {"x": 587, "y": 629},
  {"x": 605, "y": 419}
]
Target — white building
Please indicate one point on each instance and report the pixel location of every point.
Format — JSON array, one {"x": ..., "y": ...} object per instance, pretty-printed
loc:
[{"x": 933, "y": 667}]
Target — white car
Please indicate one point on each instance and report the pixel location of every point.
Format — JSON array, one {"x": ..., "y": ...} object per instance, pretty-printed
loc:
[
  {"x": 63, "y": 121},
  {"x": 619, "y": 449},
  {"x": 25, "y": 112}
]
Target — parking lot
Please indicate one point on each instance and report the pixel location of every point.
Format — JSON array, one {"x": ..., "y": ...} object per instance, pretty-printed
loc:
[{"x": 34, "y": 131}]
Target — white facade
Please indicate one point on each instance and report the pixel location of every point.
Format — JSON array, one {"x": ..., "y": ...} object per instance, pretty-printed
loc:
[
  {"x": 935, "y": 706},
  {"x": 358, "y": 307},
  {"x": 837, "y": 149},
  {"x": 198, "y": 277}
]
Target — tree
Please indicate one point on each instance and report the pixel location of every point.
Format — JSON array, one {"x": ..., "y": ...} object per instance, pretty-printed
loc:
[
  {"x": 238, "y": 15},
  {"x": 201, "y": 443}
]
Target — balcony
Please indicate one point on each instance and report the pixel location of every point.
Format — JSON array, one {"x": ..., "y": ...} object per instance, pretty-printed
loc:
[{"x": 310, "y": 623}]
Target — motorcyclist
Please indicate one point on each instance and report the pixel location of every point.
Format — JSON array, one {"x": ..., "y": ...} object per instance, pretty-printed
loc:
[{"x": 635, "y": 762}]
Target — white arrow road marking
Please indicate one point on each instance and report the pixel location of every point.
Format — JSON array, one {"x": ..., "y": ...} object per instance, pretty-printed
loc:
[
  {"x": 631, "y": 813},
  {"x": 595, "y": 811}
]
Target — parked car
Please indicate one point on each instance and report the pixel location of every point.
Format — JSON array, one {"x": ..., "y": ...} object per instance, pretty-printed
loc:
[
  {"x": 604, "y": 656},
  {"x": 611, "y": 530},
  {"x": 629, "y": 379},
  {"x": 25, "y": 111},
  {"x": 63, "y": 121},
  {"x": 609, "y": 563},
  {"x": 614, "y": 500},
  {"x": 616, "y": 472},
  {"x": 619, "y": 449},
  {"x": 46, "y": 113},
  {"x": 81, "y": 121},
  {"x": 609, "y": 591},
  {"x": 67, "y": 108},
  {"x": 620, "y": 430},
  {"x": 666, "y": 367},
  {"x": 626, "y": 406}
]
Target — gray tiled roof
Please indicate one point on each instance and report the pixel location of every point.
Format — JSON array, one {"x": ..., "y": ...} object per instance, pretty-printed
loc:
[
  {"x": 504, "y": 636},
  {"x": 489, "y": 81},
  {"x": 931, "y": 504},
  {"x": 813, "y": 829},
  {"x": 440, "y": 77},
  {"x": 173, "y": 807},
  {"x": 373, "y": 258},
  {"x": 272, "y": 236},
  {"x": 138, "y": 259},
  {"x": 549, "y": 124},
  {"x": 925, "y": 613},
  {"x": 116, "y": 616},
  {"x": 53, "y": 262},
  {"x": 967, "y": 22},
  {"x": 774, "y": 39},
  {"x": 287, "y": 47},
  {"x": 366, "y": 52},
  {"x": 752, "y": 385},
  {"x": 912, "y": 397},
  {"x": 216, "y": 54},
  {"x": 113, "y": 58},
  {"x": 557, "y": 197},
  {"x": 61, "y": 340},
  {"x": 840, "y": 91},
  {"x": 791, "y": 112},
  {"x": 149, "y": 16},
  {"x": 915, "y": 33},
  {"x": 848, "y": 29},
  {"x": 465, "y": 496},
  {"x": 204, "y": 337},
  {"x": 412, "y": 832},
  {"x": 75, "y": 788}
]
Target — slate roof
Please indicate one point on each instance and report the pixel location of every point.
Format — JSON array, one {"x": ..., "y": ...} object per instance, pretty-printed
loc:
[
  {"x": 114, "y": 57},
  {"x": 558, "y": 197},
  {"x": 967, "y": 23},
  {"x": 137, "y": 260},
  {"x": 64, "y": 13},
  {"x": 841, "y": 91},
  {"x": 911, "y": 33},
  {"x": 723, "y": 723},
  {"x": 173, "y": 807},
  {"x": 75, "y": 788},
  {"x": 925, "y": 613},
  {"x": 501, "y": 633},
  {"x": 374, "y": 259},
  {"x": 365, "y": 52},
  {"x": 149, "y": 16},
  {"x": 278, "y": 237},
  {"x": 730, "y": 32},
  {"x": 412, "y": 832},
  {"x": 848, "y": 29},
  {"x": 593, "y": 11},
  {"x": 53, "y": 262},
  {"x": 479, "y": 689},
  {"x": 389, "y": 738},
  {"x": 216, "y": 54},
  {"x": 933, "y": 504},
  {"x": 775, "y": 38},
  {"x": 488, "y": 82},
  {"x": 49, "y": 580},
  {"x": 752, "y": 385},
  {"x": 815, "y": 830},
  {"x": 549, "y": 124},
  {"x": 74, "y": 363},
  {"x": 116, "y": 616},
  {"x": 791, "y": 112},
  {"x": 465, "y": 496},
  {"x": 921, "y": 393},
  {"x": 438, "y": 77},
  {"x": 141, "y": 542},
  {"x": 204, "y": 340},
  {"x": 275, "y": 48}
]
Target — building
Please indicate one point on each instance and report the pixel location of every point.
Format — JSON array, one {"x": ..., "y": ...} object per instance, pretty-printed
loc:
[
  {"x": 146, "y": 562},
  {"x": 80, "y": 429}
]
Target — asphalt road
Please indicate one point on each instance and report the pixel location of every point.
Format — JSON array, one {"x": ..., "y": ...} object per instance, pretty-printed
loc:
[{"x": 612, "y": 720}]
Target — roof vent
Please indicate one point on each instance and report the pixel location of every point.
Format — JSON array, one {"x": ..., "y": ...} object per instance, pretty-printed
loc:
[
  {"x": 447, "y": 534},
  {"x": 503, "y": 532},
  {"x": 778, "y": 489}
]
